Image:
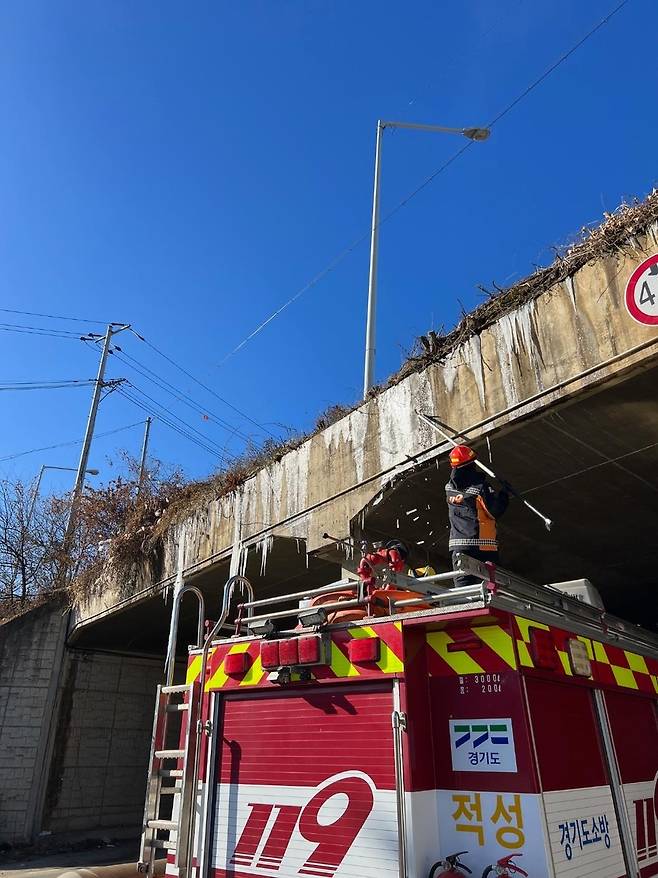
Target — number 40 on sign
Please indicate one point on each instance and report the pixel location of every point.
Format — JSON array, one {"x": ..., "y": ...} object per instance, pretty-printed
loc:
[{"x": 642, "y": 292}]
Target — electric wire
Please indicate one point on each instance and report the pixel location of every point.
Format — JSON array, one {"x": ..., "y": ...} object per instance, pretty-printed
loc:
[
  {"x": 159, "y": 411},
  {"x": 588, "y": 469},
  {"x": 207, "y": 440},
  {"x": 70, "y": 443},
  {"x": 176, "y": 392},
  {"x": 38, "y": 330},
  {"x": 51, "y": 316},
  {"x": 206, "y": 387},
  {"x": 51, "y": 385},
  {"x": 351, "y": 247},
  {"x": 164, "y": 420}
]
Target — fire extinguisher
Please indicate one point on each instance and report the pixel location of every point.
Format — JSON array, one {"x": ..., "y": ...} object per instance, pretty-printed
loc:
[
  {"x": 452, "y": 867},
  {"x": 505, "y": 867}
]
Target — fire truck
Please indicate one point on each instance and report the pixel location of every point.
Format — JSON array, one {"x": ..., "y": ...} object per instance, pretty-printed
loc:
[{"x": 393, "y": 727}]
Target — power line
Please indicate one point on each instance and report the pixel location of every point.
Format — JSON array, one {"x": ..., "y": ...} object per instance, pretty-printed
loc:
[
  {"x": 557, "y": 63},
  {"x": 176, "y": 392},
  {"x": 51, "y": 316},
  {"x": 157, "y": 409},
  {"x": 67, "y": 444},
  {"x": 38, "y": 330},
  {"x": 351, "y": 247},
  {"x": 164, "y": 420},
  {"x": 50, "y": 385},
  {"x": 206, "y": 388},
  {"x": 188, "y": 427},
  {"x": 588, "y": 469}
]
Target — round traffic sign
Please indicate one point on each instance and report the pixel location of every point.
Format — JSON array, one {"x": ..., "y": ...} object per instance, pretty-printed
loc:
[{"x": 642, "y": 292}]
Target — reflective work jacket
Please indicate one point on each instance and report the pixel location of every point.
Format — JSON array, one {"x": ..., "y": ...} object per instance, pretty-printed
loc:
[{"x": 473, "y": 521}]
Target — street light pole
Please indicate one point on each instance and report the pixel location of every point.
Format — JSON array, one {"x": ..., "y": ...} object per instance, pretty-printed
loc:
[
  {"x": 37, "y": 485},
  {"x": 369, "y": 367},
  {"x": 477, "y": 134}
]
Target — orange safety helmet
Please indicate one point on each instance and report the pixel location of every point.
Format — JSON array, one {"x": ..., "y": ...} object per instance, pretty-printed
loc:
[{"x": 461, "y": 454}]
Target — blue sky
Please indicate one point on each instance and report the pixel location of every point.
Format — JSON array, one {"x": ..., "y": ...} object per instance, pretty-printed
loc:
[{"x": 188, "y": 167}]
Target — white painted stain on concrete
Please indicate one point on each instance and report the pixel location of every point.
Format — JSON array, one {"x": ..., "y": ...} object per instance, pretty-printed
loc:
[
  {"x": 397, "y": 422},
  {"x": 504, "y": 330},
  {"x": 352, "y": 429},
  {"x": 473, "y": 358},
  {"x": 449, "y": 371}
]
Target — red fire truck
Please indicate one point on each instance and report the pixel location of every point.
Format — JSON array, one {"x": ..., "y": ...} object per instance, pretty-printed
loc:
[{"x": 366, "y": 730}]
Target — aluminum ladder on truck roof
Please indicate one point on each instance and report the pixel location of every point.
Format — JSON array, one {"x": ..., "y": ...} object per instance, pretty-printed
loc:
[
  {"x": 503, "y": 590},
  {"x": 169, "y": 788},
  {"x": 170, "y": 808}
]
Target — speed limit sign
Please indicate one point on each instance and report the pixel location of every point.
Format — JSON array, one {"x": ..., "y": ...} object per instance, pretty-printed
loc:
[{"x": 642, "y": 292}]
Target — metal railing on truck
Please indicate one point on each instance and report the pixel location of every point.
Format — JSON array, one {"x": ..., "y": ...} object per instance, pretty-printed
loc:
[{"x": 495, "y": 588}]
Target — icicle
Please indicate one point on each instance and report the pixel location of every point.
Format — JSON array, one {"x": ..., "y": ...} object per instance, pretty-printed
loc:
[
  {"x": 264, "y": 547},
  {"x": 236, "y": 551},
  {"x": 473, "y": 358},
  {"x": 568, "y": 282}
]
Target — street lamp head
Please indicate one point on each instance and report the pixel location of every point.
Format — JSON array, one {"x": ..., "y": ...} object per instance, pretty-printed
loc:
[
  {"x": 478, "y": 134},
  {"x": 92, "y": 472}
]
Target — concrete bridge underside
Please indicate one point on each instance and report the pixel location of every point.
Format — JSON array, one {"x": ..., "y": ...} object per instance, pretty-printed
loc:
[
  {"x": 590, "y": 463},
  {"x": 560, "y": 389}
]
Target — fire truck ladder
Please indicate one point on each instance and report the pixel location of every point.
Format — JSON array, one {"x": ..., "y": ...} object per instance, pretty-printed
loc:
[
  {"x": 170, "y": 807},
  {"x": 169, "y": 784}
]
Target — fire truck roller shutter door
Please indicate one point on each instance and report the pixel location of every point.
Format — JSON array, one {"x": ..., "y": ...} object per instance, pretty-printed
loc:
[
  {"x": 581, "y": 820},
  {"x": 306, "y": 785}
]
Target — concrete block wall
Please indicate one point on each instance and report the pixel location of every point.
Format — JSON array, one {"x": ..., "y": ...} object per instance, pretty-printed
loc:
[
  {"x": 31, "y": 648},
  {"x": 101, "y": 748}
]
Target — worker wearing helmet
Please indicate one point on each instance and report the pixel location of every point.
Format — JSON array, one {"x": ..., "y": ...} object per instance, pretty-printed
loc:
[{"x": 473, "y": 507}]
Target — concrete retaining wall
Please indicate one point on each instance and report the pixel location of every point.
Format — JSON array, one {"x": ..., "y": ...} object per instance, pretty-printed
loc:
[
  {"x": 30, "y": 658},
  {"x": 102, "y": 740}
]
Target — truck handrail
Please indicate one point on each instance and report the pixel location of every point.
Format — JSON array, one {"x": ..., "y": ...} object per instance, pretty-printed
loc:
[
  {"x": 170, "y": 663},
  {"x": 229, "y": 589}
]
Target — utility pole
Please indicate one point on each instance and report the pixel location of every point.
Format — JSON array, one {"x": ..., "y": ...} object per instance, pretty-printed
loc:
[
  {"x": 112, "y": 330},
  {"x": 142, "y": 464}
]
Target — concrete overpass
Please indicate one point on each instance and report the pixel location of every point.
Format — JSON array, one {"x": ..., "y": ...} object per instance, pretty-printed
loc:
[
  {"x": 554, "y": 379},
  {"x": 560, "y": 388}
]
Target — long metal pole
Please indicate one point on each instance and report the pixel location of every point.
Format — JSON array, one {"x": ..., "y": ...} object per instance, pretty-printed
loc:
[
  {"x": 35, "y": 494},
  {"x": 142, "y": 463},
  {"x": 86, "y": 445},
  {"x": 369, "y": 368},
  {"x": 478, "y": 463}
]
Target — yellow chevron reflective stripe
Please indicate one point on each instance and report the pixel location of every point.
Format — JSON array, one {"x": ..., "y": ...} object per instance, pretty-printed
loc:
[
  {"x": 636, "y": 662},
  {"x": 219, "y": 678},
  {"x": 564, "y": 660},
  {"x": 193, "y": 670},
  {"x": 388, "y": 663},
  {"x": 499, "y": 641},
  {"x": 525, "y": 659},
  {"x": 362, "y": 631},
  {"x": 526, "y": 624},
  {"x": 460, "y": 662},
  {"x": 600, "y": 654},
  {"x": 254, "y": 675},
  {"x": 624, "y": 677},
  {"x": 340, "y": 664}
]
